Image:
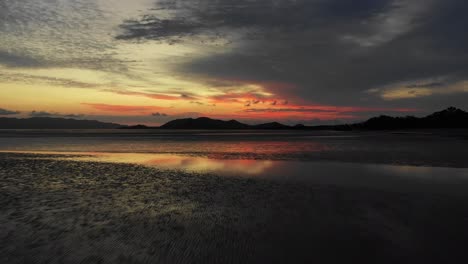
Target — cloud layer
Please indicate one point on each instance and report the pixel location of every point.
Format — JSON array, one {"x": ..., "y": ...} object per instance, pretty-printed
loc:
[
  {"x": 332, "y": 51},
  {"x": 265, "y": 59}
]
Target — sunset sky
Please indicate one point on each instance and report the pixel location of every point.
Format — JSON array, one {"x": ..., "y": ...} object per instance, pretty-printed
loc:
[{"x": 293, "y": 61}]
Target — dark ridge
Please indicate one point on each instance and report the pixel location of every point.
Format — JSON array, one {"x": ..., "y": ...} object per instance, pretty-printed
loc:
[
  {"x": 204, "y": 123},
  {"x": 449, "y": 118},
  {"x": 273, "y": 125},
  {"x": 53, "y": 123}
]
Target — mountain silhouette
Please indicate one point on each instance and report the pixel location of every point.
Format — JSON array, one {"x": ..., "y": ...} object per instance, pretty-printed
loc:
[
  {"x": 449, "y": 118},
  {"x": 53, "y": 123},
  {"x": 204, "y": 123},
  {"x": 273, "y": 125},
  {"x": 208, "y": 123}
]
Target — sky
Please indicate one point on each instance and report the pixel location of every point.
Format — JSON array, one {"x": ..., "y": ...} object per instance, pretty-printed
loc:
[{"x": 293, "y": 61}]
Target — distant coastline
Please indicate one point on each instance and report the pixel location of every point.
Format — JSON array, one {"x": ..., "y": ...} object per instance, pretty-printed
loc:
[
  {"x": 449, "y": 118},
  {"x": 53, "y": 123}
]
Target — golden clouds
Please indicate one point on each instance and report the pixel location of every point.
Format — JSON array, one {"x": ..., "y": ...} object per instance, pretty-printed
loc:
[{"x": 421, "y": 89}]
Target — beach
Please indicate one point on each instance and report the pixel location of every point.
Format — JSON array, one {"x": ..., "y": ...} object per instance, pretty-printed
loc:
[{"x": 56, "y": 210}]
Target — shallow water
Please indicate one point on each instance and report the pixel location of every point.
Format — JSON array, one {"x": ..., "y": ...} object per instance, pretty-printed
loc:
[
  {"x": 422, "y": 148},
  {"x": 422, "y": 160}
]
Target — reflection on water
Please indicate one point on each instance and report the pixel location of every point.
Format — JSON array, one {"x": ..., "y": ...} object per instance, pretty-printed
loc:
[
  {"x": 166, "y": 162},
  {"x": 185, "y": 163},
  {"x": 389, "y": 177},
  {"x": 161, "y": 141},
  {"x": 363, "y": 147},
  {"x": 212, "y": 146}
]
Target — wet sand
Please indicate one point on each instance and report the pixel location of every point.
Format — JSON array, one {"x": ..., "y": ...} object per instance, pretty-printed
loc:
[{"x": 65, "y": 211}]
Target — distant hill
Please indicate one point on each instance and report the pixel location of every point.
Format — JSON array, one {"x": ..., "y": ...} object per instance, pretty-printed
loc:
[
  {"x": 53, "y": 123},
  {"x": 204, "y": 123},
  {"x": 208, "y": 123},
  {"x": 449, "y": 118},
  {"x": 273, "y": 125}
]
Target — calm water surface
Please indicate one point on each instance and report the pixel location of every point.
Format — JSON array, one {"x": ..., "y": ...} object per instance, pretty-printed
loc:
[
  {"x": 448, "y": 149},
  {"x": 391, "y": 161}
]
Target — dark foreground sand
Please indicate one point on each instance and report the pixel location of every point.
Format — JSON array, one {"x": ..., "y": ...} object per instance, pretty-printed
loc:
[{"x": 54, "y": 211}]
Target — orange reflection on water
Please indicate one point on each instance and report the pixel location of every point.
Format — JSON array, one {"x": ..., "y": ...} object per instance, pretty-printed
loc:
[
  {"x": 199, "y": 164},
  {"x": 168, "y": 161},
  {"x": 185, "y": 163}
]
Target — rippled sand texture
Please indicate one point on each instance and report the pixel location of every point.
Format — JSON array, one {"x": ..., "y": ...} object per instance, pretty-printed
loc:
[{"x": 59, "y": 211}]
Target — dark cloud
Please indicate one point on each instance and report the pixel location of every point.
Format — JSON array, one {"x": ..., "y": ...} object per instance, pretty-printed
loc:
[
  {"x": 41, "y": 114},
  {"x": 197, "y": 103},
  {"x": 18, "y": 60},
  {"x": 188, "y": 96},
  {"x": 333, "y": 51},
  {"x": 285, "y": 110},
  {"x": 426, "y": 85},
  {"x": 258, "y": 18},
  {"x": 4, "y": 112},
  {"x": 73, "y": 116},
  {"x": 202, "y": 103},
  {"x": 159, "y": 114},
  {"x": 52, "y": 114}
]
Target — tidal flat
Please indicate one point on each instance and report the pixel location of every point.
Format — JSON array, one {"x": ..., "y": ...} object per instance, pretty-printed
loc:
[{"x": 55, "y": 210}]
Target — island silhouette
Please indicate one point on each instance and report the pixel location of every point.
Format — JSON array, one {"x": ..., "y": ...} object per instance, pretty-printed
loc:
[{"x": 449, "y": 118}]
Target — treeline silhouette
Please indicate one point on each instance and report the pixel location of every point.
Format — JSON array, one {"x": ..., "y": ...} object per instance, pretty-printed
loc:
[{"x": 449, "y": 118}]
